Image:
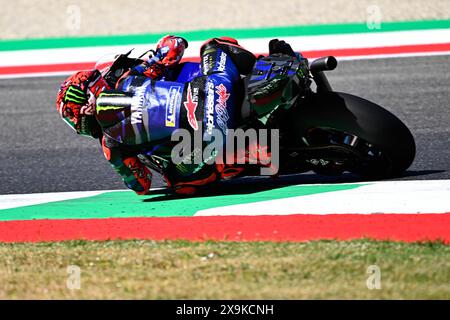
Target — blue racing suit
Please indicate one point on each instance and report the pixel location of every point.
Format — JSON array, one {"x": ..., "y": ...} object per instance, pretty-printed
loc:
[{"x": 143, "y": 113}]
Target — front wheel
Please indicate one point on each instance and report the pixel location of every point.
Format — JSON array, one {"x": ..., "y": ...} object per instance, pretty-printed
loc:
[{"x": 373, "y": 141}]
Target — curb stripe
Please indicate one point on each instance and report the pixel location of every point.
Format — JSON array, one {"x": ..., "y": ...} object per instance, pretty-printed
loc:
[
  {"x": 394, "y": 227},
  {"x": 120, "y": 204},
  {"x": 345, "y": 53},
  {"x": 201, "y": 35}
]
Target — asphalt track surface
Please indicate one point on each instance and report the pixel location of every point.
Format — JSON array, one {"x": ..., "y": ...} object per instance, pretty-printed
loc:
[{"x": 39, "y": 153}]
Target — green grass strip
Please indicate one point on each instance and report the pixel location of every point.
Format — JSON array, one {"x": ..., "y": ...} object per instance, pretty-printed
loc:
[
  {"x": 201, "y": 35},
  {"x": 225, "y": 270}
]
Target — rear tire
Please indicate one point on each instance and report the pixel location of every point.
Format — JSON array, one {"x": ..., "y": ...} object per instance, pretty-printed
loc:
[{"x": 368, "y": 121}]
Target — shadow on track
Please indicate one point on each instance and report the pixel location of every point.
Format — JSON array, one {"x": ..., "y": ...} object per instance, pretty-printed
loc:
[
  {"x": 417, "y": 173},
  {"x": 254, "y": 184},
  {"x": 249, "y": 185}
]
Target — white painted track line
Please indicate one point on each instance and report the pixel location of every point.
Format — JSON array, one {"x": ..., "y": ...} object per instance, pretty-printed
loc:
[{"x": 425, "y": 196}]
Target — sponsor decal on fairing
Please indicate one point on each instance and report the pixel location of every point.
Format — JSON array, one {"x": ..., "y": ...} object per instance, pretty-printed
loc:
[
  {"x": 221, "y": 108},
  {"x": 172, "y": 102},
  {"x": 191, "y": 104},
  {"x": 210, "y": 108},
  {"x": 138, "y": 102}
]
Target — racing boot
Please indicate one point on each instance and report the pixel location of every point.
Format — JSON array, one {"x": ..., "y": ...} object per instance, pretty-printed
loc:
[{"x": 242, "y": 58}]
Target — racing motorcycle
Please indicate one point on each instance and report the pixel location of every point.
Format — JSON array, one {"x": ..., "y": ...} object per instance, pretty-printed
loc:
[{"x": 321, "y": 130}]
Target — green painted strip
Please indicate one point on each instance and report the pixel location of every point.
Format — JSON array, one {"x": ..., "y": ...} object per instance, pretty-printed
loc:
[
  {"x": 201, "y": 35},
  {"x": 119, "y": 204}
]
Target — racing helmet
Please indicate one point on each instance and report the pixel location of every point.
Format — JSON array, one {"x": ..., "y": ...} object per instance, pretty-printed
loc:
[
  {"x": 171, "y": 48},
  {"x": 72, "y": 103}
]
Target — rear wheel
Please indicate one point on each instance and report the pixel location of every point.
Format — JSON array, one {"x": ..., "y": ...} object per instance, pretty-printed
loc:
[{"x": 374, "y": 143}]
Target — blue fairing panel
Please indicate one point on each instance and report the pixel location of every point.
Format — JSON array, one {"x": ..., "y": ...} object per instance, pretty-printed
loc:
[
  {"x": 189, "y": 71},
  {"x": 154, "y": 111}
]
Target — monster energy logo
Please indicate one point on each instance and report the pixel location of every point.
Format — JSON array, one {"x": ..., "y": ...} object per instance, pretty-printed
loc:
[
  {"x": 76, "y": 95},
  {"x": 112, "y": 101}
]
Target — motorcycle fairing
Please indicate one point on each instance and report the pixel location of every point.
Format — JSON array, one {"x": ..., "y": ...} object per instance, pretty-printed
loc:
[
  {"x": 150, "y": 110},
  {"x": 276, "y": 80}
]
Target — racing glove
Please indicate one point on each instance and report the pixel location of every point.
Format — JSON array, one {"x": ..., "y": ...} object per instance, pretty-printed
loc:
[{"x": 281, "y": 46}]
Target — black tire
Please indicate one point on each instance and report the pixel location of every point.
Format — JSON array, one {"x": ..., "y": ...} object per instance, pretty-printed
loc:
[{"x": 354, "y": 115}]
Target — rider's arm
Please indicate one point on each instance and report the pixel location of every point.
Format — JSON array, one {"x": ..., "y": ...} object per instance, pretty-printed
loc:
[
  {"x": 135, "y": 175},
  {"x": 150, "y": 68}
]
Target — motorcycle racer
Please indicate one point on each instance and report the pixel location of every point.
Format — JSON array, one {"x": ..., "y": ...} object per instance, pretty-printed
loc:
[
  {"x": 77, "y": 107},
  {"x": 84, "y": 101}
]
